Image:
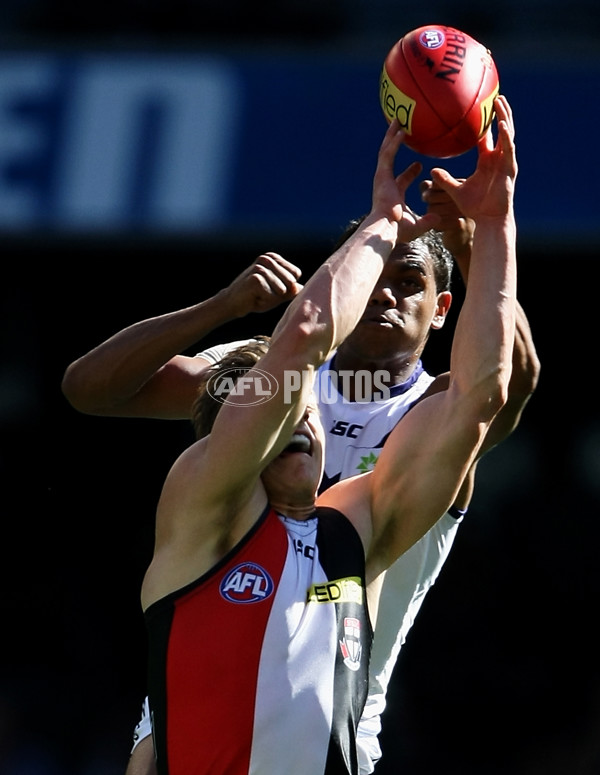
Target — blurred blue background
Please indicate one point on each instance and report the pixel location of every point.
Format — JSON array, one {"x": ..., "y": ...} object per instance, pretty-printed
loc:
[
  {"x": 209, "y": 140},
  {"x": 148, "y": 152}
]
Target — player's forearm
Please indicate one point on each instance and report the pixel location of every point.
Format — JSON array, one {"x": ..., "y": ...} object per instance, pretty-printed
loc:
[
  {"x": 113, "y": 372},
  {"x": 334, "y": 298},
  {"x": 526, "y": 364},
  {"x": 482, "y": 349},
  {"x": 523, "y": 382},
  {"x": 355, "y": 273}
]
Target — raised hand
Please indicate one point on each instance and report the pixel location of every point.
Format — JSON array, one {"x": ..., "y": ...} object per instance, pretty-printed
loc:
[
  {"x": 456, "y": 230},
  {"x": 266, "y": 283},
  {"x": 488, "y": 192},
  {"x": 389, "y": 190}
]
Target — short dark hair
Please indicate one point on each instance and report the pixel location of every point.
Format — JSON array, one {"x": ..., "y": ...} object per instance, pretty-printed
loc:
[
  {"x": 237, "y": 362},
  {"x": 431, "y": 240}
]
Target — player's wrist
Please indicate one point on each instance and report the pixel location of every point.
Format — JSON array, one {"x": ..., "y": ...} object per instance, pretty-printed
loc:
[
  {"x": 381, "y": 224},
  {"x": 231, "y": 305}
]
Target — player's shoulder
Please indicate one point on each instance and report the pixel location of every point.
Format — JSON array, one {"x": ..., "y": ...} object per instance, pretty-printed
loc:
[
  {"x": 434, "y": 384},
  {"x": 219, "y": 351}
]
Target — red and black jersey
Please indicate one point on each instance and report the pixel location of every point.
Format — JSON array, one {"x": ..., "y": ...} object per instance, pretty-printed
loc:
[{"x": 260, "y": 666}]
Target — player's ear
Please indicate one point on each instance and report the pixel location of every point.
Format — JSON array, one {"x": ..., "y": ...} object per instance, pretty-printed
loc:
[{"x": 444, "y": 301}]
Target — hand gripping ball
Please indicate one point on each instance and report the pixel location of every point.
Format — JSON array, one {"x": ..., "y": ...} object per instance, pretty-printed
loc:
[{"x": 441, "y": 84}]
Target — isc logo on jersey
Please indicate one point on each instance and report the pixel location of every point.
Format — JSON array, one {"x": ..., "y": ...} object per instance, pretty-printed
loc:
[{"x": 246, "y": 583}]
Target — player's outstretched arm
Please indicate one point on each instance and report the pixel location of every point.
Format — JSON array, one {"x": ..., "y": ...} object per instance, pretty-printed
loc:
[
  {"x": 457, "y": 233},
  {"x": 214, "y": 492},
  {"x": 427, "y": 456},
  {"x": 138, "y": 372},
  {"x": 312, "y": 327}
]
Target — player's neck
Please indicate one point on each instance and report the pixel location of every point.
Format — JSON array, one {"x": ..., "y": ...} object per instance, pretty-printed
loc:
[
  {"x": 389, "y": 371},
  {"x": 294, "y": 511}
]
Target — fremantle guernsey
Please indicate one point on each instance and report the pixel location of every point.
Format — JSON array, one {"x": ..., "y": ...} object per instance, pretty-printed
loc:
[
  {"x": 281, "y": 689},
  {"x": 356, "y": 432}
]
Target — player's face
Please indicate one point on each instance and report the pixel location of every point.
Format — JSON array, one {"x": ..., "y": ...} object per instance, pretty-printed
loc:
[
  {"x": 403, "y": 308},
  {"x": 295, "y": 475}
]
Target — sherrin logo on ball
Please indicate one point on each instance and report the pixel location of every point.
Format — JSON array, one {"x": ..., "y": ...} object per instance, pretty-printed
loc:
[{"x": 440, "y": 83}]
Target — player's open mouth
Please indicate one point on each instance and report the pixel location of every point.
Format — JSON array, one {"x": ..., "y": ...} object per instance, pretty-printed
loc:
[
  {"x": 299, "y": 443},
  {"x": 384, "y": 319}
]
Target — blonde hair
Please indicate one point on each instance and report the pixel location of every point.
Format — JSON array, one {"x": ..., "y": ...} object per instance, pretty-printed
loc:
[{"x": 236, "y": 363}]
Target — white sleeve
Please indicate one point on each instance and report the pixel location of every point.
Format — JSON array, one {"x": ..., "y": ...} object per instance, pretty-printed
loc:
[
  {"x": 405, "y": 585},
  {"x": 144, "y": 726},
  {"x": 214, "y": 354}
]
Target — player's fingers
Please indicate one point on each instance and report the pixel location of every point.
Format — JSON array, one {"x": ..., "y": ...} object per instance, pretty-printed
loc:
[
  {"x": 444, "y": 179},
  {"x": 392, "y": 141},
  {"x": 277, "y": 261},
  {"x": 412, "y": 229},
  {"x": 504, "y": 111},
  {"x": 424, "y": 187},
  {"x": 411, "y": 173},
  {"x": 507, "y": 146},
  {"x": 273, "y": 278},
  {"x": 434, "y": 194},
  {"x": 486, "y": 143}
]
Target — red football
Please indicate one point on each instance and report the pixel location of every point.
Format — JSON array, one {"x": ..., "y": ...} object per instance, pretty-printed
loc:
[{"x": 441, "y": 84}]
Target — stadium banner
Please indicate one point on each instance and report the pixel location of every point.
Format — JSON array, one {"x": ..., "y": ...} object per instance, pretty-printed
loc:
[{"x": 204, "y": 144}]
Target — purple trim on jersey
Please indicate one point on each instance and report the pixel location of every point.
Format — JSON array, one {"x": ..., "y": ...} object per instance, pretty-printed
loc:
[
  {"x": 456, "y": 513},
  {"x": 395, "y": 390}
]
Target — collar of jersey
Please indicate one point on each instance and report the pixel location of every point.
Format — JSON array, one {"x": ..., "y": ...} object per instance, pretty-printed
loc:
[{"x": 395, "y": 390}]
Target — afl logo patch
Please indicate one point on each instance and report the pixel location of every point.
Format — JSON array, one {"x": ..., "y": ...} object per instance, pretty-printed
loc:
[
  {"x": 246, "y": 583},
  {"x": 432, "y": 39}
]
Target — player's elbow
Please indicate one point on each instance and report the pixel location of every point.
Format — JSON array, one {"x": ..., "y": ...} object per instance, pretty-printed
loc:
[
  {"x": 485, "y": 395},
  {"x": 75, "y": 389},
  {"x": 525, "y": 377},
  {"x": 525, "y": 361},
  {"x": 491, "y": 393}
]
